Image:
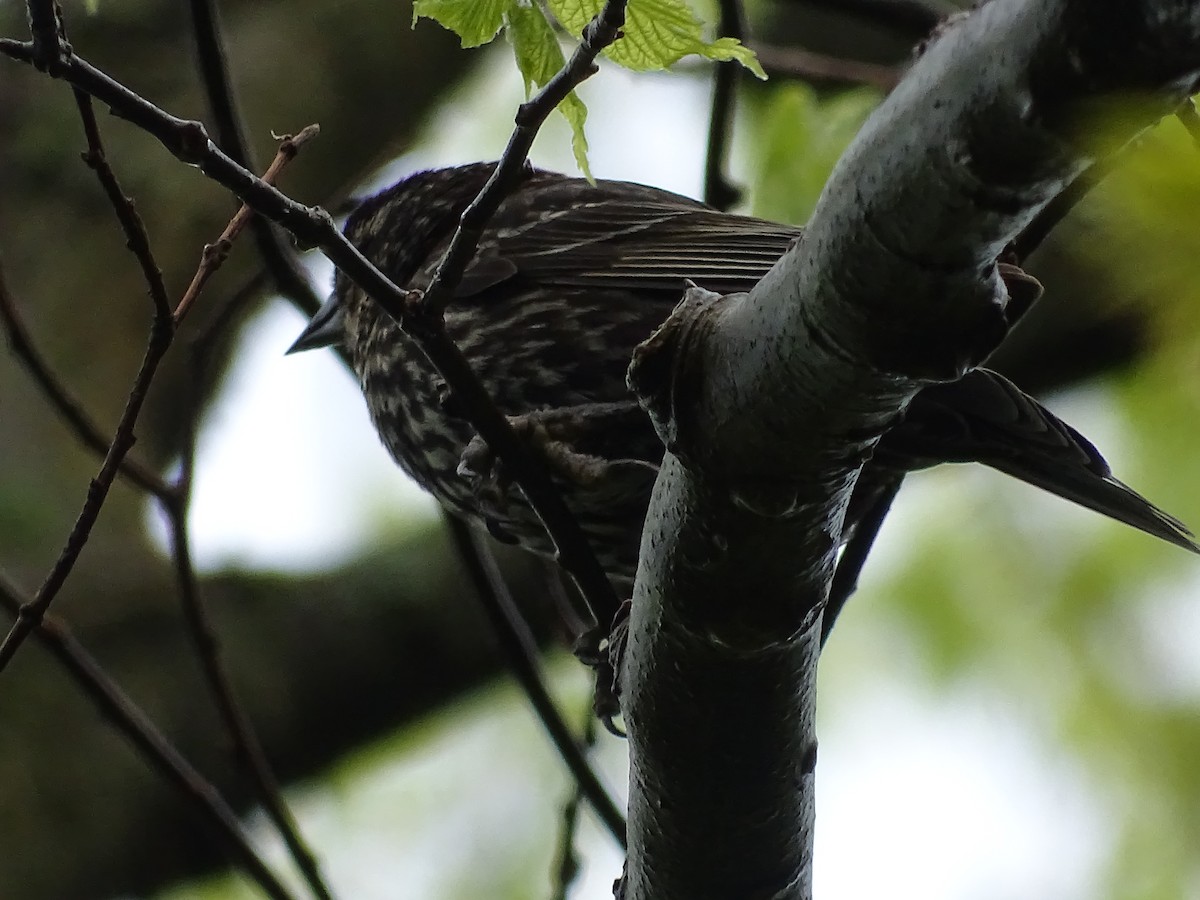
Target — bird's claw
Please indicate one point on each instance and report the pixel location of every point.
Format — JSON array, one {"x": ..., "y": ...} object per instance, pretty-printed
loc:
[
  {"x": 480, "y": 465},
  {"x": 549, "y": 434},
  {"x": 606, "y": 701}
]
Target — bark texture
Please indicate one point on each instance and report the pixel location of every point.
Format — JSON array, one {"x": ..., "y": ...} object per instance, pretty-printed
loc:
[{"x": 769, "y": 401}]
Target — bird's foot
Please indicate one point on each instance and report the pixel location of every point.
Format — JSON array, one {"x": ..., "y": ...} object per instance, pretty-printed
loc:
[
  {"x": 1023, "y": 290},
  {"x": 562, "y": 439},
  {"x": 606, "y": 701}
]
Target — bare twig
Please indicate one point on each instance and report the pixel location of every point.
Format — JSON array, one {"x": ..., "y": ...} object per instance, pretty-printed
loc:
[
  {"x": 215, "y": 253},
  {"x": 280, "y": 258},
  {"x": 603, "y": 30},
  {"x": 854, "y": 557},
  {"x": 45, "y": 25},
  {"x": 1190, "y": 119},
  {"x": 60, "y": 397},
  {"x": 247, "y": 748},
  {"x": 912, "y": 19},
  {"x": 281, "y": 263},
  {"x": 174, "y": 500},
  {"x": 1058, "y": 208},
  {"x": 161, "y": 333},
  {"x": 521, "y": 652},
  {"x": 116, "y": 707},
  {"x": 718, "y": 190},
  {"x": 567, "y": 869},
  {"x": 425, "y": 323},
  {"x": 821, "y": 68},
  {"x": 127, "y": 216}
]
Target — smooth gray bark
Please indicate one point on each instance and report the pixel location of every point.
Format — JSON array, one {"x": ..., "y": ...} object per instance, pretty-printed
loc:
[{"x": 769, "y": 401}]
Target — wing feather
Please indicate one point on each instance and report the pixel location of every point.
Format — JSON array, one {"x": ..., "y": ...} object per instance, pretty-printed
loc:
[{"x": 656, "y": 243}]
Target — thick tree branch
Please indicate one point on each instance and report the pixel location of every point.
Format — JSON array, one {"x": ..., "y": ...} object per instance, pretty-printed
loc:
[{"x": 769, "y": 402}]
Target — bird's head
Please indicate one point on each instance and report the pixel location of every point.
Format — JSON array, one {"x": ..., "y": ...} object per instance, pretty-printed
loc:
[{"x": 396, "y": 229}]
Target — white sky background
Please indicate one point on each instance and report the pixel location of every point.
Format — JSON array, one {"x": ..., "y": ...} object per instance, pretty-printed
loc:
[{"x": 919, "y": 795}]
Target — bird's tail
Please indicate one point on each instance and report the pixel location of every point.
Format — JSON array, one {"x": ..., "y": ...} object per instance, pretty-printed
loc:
[{"x": 984, "y": 417}]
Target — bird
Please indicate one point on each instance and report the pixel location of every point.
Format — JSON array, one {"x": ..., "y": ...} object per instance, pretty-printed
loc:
[{"x": 570, "y": 276}]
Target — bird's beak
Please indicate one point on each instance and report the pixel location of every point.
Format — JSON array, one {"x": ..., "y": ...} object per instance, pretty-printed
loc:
[{"x": 323, "y": 329}]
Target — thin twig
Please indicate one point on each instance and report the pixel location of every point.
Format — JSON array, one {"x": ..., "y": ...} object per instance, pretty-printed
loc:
[
  {"x": 567, "y": 869},
  {"x": 281, "y": 263},
  {"x": 1190, "y": 119},
  {"x": 174, "y": 500},
  {"x": 127, "y": 215},
  {"x": 424, "y": 321},
  {"x": 912, "y": 19},
  {"x": 854, "y": 557},
  {"x": 49, "y": 41},
  {"x": 570, "y": 627},
  {"x": 214, "y": 254},
  {"x": 1032, "y": 236},
  {"x": 162, "y": 756},
  {"x": 603, "y": 30},
  {"x": 1057, "y": 209},
  {"x": 246, "y": 746},
  {"x": 247, "y": 749},
  {"x": 280, "y": 259},
  {"x": 718, "y": 190},
  {"x": 821, "y": 68},
  {"x": 62, "y": 400},
  {"x": 189, "y": 142},
  {"x": 521, "y": 653},
  {"x": 161, "y": 333}
]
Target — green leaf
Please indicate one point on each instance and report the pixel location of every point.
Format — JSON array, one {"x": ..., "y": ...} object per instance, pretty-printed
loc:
[
  {"x": 657, "y": 34},
  {"x": 729, "y": 49},
  {"x": 476, "y": 22},
  {"x": 575, "y": 113},
  {"x": 539, "y": 57}
]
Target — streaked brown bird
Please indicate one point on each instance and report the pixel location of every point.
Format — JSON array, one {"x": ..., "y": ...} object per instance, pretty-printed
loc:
[{"x": 568, "y": 279}]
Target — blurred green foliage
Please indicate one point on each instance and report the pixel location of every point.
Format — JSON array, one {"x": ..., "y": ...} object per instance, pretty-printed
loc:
[{"x": 798, "y": 136}]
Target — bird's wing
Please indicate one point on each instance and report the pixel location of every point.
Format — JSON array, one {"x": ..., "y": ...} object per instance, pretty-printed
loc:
[
  {"x": 984, "y": 417},
  {"x": 633, "y": 243}
]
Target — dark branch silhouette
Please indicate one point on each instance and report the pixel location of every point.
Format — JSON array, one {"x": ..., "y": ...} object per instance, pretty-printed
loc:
[
  {"x": 158, "y": 752},
  {"x": 161, "y": 334},
  {"x": 520, "y": 652}
]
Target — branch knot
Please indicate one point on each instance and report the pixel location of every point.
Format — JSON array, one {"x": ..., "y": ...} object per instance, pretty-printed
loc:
[{"x": 667, "y": 366}]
